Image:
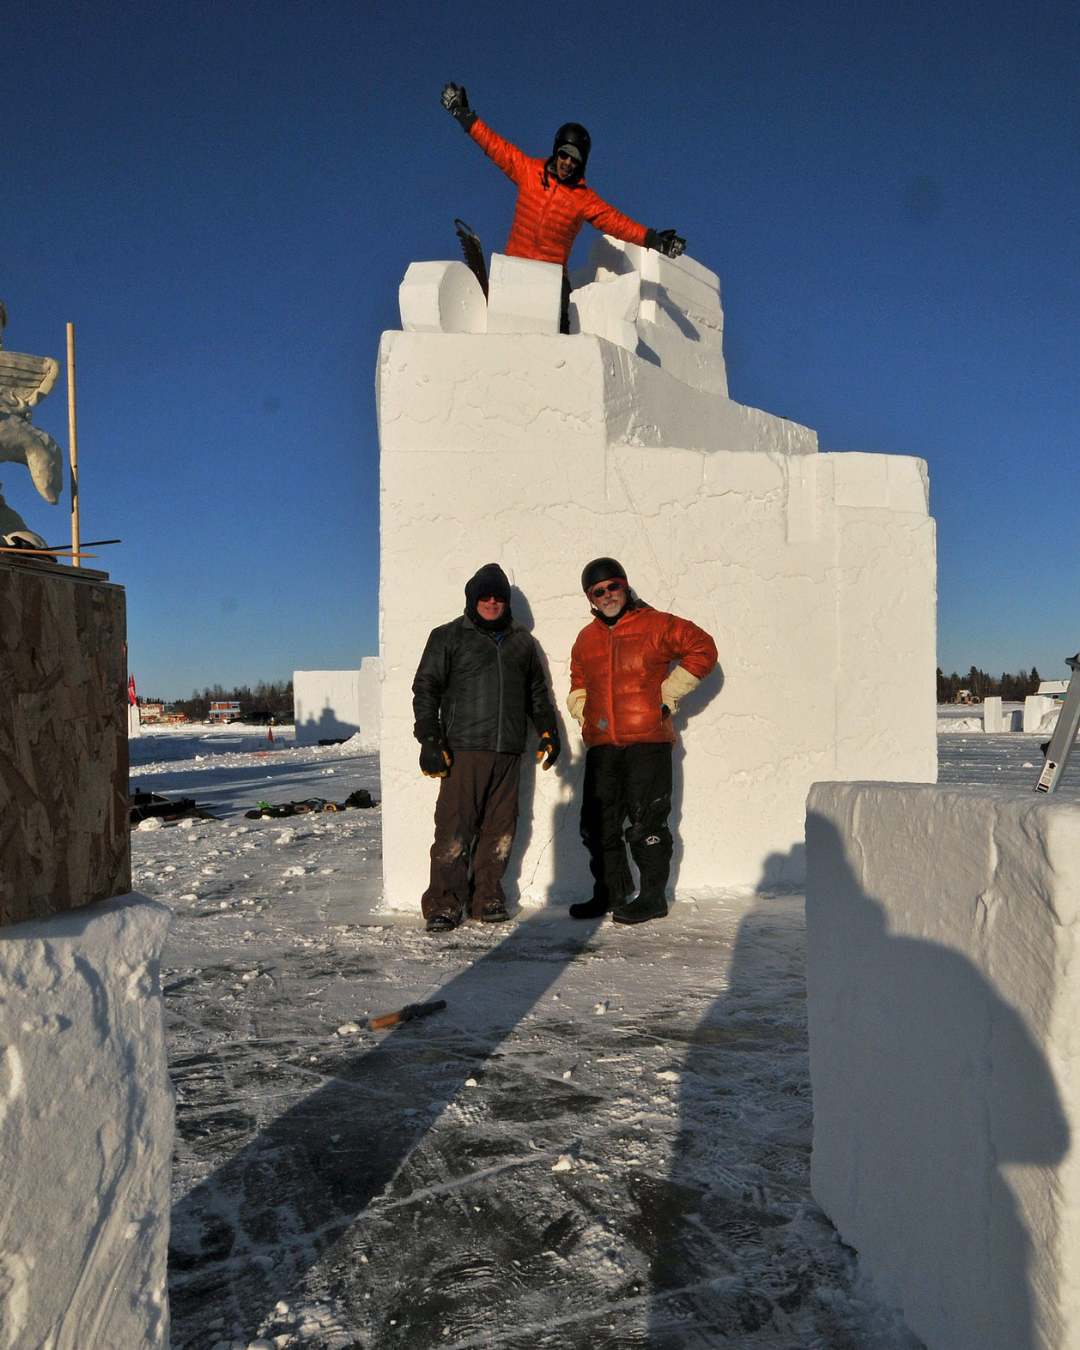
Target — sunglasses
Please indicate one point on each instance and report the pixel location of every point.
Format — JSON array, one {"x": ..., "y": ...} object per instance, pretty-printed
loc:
[
  {"x": 490, "y": 600},
  {"x": 611, "y": 588}
]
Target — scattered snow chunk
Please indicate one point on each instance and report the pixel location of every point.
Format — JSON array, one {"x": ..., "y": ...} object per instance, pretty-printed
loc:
[
  {"x": 471, "y": 1082},
  {"x": 281, "y": 1308},
  {"x": 668, "y": 1075},
  {"x": 189, "y": 895},
  {"x": 568, "y": 1073},
  {"x": 188, "y": 823},
  {"x": 601, "y": 1007},
  {"x": 293, "y": 872},
  {"x": 347, "y": 1029},
  {"x": 249, "y": 975},
  {"x": 150, "y": 823},
  {"x": 564, "y": 1163}
]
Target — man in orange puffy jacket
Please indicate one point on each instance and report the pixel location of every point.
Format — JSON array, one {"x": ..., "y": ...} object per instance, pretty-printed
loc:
[
  {"x": 553, "y": 198},
  {"x": 623, "y": 691}
]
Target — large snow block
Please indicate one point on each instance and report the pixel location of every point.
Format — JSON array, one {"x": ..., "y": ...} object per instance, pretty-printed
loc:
[
  {"x": 524, "y": 296},
  {"x": 942, "y": 942},
  {"x": 441, "y": 297},
  {"x": 64, "y": 838},
  {"x": 86, "y": 1129},
  {"x": 333, "y": 705},
  {"x": 666, "y": 310}
]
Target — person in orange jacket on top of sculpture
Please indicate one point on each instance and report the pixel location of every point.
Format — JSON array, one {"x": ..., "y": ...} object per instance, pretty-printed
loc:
[{"x": 553, "y": 200}]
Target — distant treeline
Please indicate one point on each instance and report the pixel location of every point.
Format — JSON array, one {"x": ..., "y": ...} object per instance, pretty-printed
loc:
[
  {"x": 274, "y": 698},
  {"x": 981, "y": 685}
]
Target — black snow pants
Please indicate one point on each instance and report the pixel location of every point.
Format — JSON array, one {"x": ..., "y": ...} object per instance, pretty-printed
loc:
[
  {"x": 627, "y": 783},
  {"x": 475, "y": 820}
]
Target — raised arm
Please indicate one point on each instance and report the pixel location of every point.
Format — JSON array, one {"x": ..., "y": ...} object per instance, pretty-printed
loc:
[{"x": 504, "y": 154}]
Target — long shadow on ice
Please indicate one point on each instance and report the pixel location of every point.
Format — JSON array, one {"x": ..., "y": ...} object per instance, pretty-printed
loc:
[
  {"x": 742, "y": 1253},
  {"x": 246, "y": 1237}
]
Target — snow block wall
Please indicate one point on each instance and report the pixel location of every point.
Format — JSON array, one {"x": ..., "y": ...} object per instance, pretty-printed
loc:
[
  {"x": 86, "y": 1128},
  {"x": 942, "y": 944},
  {"x": 814, "y": 572},
  {"x": 337, "y": 704},
  {"x": 64, "y": 838}
]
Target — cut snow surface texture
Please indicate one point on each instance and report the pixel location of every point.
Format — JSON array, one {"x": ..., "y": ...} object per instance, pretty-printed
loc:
[
  {"x": 944, "y": 1007},
  {"x": 812, "y": 571}
]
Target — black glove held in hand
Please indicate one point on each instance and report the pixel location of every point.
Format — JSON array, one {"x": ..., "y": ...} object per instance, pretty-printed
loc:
[
  {"x": 666, "y": 242},
  {"x": 435, "y": 759},
  {"x": 456, "y": 102},
  {"x": 548, "y": 748}
]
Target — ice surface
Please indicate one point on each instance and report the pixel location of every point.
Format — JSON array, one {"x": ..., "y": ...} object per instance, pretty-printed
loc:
[
  {"x": 351, "y": 1190},
  {"x": 86, "y": 1128},
  {"x": 941, "y": 953}
]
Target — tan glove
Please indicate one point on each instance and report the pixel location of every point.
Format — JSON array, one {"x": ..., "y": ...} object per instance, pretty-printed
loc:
[
  {"x": 575, "y": 702},
  {"x": 677, "y": 685}
]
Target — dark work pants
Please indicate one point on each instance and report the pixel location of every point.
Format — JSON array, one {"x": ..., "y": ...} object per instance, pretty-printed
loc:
[
  {"x": 475, "y": 820},
  {"x": 630, "y": 783}
]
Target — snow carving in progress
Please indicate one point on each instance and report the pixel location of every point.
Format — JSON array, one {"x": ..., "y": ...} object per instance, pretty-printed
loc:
[
  {"x": 943, "y": 1013},
  {"x": 86, "y": 1128},
  {"x": 539, "y": 450},
  {"x": 24, "y": 382}
]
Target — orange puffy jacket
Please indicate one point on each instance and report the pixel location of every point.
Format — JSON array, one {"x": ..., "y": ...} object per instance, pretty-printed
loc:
[
  {"x": 622, "y": 667},
  {"x": 549, "y": 214}
]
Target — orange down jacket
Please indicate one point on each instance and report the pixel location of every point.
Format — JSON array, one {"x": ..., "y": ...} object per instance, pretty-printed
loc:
[
  {"x": 549, "y": 214},
  {"x": 622, "y": 667}
]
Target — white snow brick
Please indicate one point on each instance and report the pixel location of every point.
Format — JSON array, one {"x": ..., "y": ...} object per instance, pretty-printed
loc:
[
  {"x": 992, "y": 722},
  {"x": 338, "y": 704},
  {"x": 441, "y": 297},
  {"x": 86, "y": 1129},
  {"x": 524, "y": 296},
  {"x": 1036, "y": 708},
  {"x": 944, "y": 1012},
  {"x": 672, "y": 303}
]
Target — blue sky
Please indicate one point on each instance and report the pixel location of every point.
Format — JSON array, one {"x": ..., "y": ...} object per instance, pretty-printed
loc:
[{"x": 224, "y": 197}]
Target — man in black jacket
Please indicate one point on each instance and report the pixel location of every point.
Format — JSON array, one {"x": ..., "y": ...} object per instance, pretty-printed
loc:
[{"x": 478, "y": 682}]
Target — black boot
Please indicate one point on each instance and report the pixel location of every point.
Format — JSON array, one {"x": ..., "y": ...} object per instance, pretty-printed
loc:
[
  {"x": 640, "y": 909},
  {"x": 589, "y": 909}
]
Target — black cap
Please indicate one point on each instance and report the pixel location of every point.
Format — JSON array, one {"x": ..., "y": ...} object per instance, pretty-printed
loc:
[
  {"x": 489, "y": 580},
  {"x": 601, "y": 569}
]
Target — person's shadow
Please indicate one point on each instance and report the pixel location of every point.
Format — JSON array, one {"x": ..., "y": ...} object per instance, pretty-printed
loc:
[{"x": 953, "y": 1089}]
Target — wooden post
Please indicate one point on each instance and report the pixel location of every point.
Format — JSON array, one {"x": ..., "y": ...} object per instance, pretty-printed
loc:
[{"x": 73, "y": 443}]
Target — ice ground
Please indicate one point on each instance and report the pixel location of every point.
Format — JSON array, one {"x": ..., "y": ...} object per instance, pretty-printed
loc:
[{"x": 603, "y": 1141}]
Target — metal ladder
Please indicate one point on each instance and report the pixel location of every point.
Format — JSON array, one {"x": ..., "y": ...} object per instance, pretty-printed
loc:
[{"x": 1064, "y": 737}]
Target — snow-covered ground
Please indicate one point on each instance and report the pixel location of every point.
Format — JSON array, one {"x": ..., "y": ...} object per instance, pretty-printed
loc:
[{"x": 602, "y": 1141}]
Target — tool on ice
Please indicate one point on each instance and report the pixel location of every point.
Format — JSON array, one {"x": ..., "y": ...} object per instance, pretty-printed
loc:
[
  {"x": 1064, "y": 737},
  {"x": 361, "y": 798},
  {"x": 410, "y": 1013},
  {"x": 473, "y": 250},
  {"x": 143, "y": 805}
]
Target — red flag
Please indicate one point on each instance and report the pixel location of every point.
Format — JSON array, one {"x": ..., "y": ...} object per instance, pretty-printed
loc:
[{"x": 131, "y": 691}]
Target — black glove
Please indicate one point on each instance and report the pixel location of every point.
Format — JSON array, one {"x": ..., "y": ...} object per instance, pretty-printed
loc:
[
  {"x": 666, "y": 242},
  {"x": 435, "y": 758},
  {"x": 548, "y": 748},
  {"x": 456, "y": 102}
]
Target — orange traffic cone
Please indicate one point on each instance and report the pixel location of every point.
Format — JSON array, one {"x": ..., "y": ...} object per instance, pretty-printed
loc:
[{"x": 270, "y": 734}]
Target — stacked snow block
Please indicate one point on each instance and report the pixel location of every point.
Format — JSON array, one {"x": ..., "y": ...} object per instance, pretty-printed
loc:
[
  {"x": 943, "y": 934},
  {"x": 335, "y": 705},
  {"x": 86, "y": 1129},
  {"x": 813, "y": 571},
  {"x": 441, "y": 297},
  {"x": 63, "y": 740}
]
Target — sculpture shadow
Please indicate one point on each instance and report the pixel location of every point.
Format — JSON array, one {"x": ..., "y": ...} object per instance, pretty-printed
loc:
[
  {"x": 328, "y": 726},
  {"x": 709, "y": 689},
  {"x": 947, "y": 1070},
  {"x": 246, "y": 1236}
]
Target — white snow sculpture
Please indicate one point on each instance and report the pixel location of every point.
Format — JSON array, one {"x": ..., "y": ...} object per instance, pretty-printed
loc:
[
  {"x": 942, "y": 932},
  {"x": 86, "y": 1129},
  {"x": 1036, "y": 709},
  {"x": 441, "y": 297},
  {"x": 523, "y": 296},
  {"x": 12, "y": 526},
  {"x": 24, "y": 381},
  {"x": 992, "y": 714},
  {"x": 672, "y": 307},
  {"x": 338, "y": 704},
  {"x": 814, "y": 572}
]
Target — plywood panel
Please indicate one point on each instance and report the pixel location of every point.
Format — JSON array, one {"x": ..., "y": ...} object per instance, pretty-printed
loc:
[{"x": 63, "y": 740}]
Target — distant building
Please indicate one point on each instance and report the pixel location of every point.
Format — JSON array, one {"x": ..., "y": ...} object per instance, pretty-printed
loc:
[
  {"x": 965, "y": 696},
  {"x": 224, "y": 712},
  {"x": 150, "y": 712},
  {"x": 1053, "y": 688}
]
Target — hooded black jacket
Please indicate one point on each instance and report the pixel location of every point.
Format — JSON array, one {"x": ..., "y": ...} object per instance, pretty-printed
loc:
[{"x": 478, "y": 694}]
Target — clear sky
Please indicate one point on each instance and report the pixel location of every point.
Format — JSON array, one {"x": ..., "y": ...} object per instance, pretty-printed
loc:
[{"x": 223, "y": 197}]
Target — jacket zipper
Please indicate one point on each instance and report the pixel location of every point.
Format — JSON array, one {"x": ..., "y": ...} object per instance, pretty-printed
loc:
[
  {"x": 611, "y": 682},
  {"x": 499, "y": 723}
]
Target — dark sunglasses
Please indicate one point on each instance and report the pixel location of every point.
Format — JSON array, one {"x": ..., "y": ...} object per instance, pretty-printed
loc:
[
  {"x": 609, "y": 588},
  {"x": 490, "y": 600}
]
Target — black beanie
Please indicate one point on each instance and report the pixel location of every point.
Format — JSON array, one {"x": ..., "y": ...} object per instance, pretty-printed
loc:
[
  {"x": 489, "y": 580},
  {"x": 600, "y": 569}
]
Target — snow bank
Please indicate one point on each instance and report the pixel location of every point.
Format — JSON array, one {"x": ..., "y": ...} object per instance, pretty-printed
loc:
[
  {"x": 86, "y": 1128},
  {"x": 948, "y": 726},
  {"x": 811, "y": 570},
  {"x": 944, "y": 1028}
]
